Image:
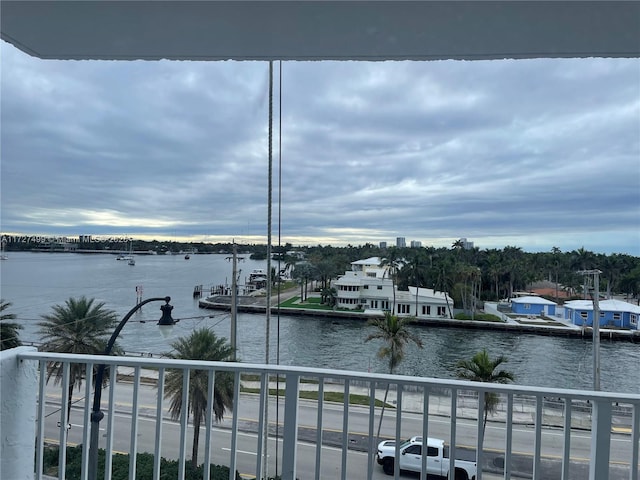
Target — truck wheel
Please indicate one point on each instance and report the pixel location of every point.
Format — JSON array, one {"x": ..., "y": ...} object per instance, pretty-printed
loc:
[
  {"x": 461, "y": 475},
  {"x": 387, "y": 466}
]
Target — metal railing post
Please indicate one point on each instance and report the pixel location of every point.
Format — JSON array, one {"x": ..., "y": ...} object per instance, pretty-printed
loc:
[
  {"x": 290, "y": 431},
  {"x": 600, "y": 439}
]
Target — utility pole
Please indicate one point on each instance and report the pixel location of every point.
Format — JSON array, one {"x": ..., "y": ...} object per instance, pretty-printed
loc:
[
  {"x": 234, "y": 301},
  {"x": 596, "y": 323}
]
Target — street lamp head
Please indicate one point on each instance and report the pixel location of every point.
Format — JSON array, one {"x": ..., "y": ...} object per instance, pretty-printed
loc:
[{"x": 166, "y": 322}]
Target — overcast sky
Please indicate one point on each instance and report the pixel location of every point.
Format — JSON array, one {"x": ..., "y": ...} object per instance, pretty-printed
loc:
[{"x": 527, "y": 153}]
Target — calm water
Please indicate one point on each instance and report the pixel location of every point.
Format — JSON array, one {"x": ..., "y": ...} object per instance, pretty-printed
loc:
[{"x": 34, "y": 282}]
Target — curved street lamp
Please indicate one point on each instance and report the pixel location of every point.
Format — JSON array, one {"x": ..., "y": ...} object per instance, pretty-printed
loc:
[{"x": 165, "y": 323}]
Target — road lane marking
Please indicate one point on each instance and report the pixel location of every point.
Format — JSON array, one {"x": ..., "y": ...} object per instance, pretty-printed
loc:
[{"x": 241, "y": 451}]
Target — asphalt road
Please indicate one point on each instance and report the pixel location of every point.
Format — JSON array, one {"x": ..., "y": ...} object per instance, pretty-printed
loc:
[{"x": 358, "y": 459}]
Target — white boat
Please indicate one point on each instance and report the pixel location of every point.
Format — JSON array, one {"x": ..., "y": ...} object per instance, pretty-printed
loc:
[{"x": 129, "y": 258}]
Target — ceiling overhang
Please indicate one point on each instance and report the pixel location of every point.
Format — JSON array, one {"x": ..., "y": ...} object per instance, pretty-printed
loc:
[{"x": 321, "y": 30}]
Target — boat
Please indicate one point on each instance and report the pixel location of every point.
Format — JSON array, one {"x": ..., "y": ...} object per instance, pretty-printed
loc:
[
  {"x": 186, "y": 257},
  {"x": 129, "y": 258},
  {"x": 257, "y": 278}
]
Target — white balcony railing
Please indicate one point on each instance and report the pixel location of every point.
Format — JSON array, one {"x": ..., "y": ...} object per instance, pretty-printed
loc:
[{"x": 536, "y": 433}]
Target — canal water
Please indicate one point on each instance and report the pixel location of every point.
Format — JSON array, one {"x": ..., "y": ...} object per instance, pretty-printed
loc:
[{"x": 34, "y": 282}]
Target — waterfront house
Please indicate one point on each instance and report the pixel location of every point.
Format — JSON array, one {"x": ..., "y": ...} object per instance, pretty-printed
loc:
[
  {"x": 533, "y": 305},
  {"x": 368, "y": 286},
  {"x": 613, "y": 313}
]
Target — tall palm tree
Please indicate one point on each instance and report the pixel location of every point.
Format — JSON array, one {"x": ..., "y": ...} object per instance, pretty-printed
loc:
[
  {"x": 8, "y": 330},
  {"x": 204, "y": 345},
  {"x": 79, "y": 326},
  {"x": 393, "y": 261},
  {"x": 482, "y": 368},
  {"x": 395, "y": 335}
]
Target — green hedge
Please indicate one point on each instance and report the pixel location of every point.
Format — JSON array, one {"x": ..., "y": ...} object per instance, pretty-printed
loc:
[{"x": 120, "y": 466}]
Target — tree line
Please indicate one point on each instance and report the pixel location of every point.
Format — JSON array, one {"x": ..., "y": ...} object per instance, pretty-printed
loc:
[{"x": 470, "y": 275}]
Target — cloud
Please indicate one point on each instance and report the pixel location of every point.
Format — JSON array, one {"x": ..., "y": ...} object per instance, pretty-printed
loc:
[{"x": 534, "y": 153}]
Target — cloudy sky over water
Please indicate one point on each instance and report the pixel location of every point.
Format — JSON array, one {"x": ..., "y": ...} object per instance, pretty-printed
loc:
[{"x": 529, "y": 153}]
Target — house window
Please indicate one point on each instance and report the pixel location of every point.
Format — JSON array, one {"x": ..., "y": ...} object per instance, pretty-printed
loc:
[
  {"x": 374, "y": 303},
  {"x": 426, "y": 309},
  {"x": 617, "y": 316},
  {"x": 442, "y": 312},
  {"x": 379, "y": 287},
  {"x": 403, "y": 308},
  {"x": 385, "y": 304},
  {"x": 584, "y": 315},
  {"x": 634, "y": 319},
  {"x": 527, "y": 306},
  {"x": 366, "y": 287}
]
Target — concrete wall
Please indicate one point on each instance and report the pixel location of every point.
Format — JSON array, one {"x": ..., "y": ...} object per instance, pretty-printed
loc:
[{"x": 18, "y": 394}]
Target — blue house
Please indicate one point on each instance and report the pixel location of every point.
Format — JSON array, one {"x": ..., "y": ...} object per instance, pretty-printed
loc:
[
  {"x": 613, "y": 313},
  {"x": 532, "y": 305}
]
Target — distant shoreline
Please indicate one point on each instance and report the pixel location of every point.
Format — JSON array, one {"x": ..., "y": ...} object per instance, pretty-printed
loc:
[{"x": 256, "y": 305}]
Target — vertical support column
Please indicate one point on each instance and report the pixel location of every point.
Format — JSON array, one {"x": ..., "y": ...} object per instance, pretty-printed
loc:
[
  {"x": 480, "y": 433},
  {"x": 508, "y": 438},
  {"x": 635, "y": 440},
  {"x": 600, "y": 439},
  {"x": 537, "y": 441},
  {"x": 566, "y": 448},
  {"x": 452, "y": 434},
  {"x": 290, "y": 440},
  {"x": 19, "y": 386}
]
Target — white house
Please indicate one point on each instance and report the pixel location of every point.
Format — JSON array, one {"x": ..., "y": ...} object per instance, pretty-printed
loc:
[{"x": 368, "y": 286}]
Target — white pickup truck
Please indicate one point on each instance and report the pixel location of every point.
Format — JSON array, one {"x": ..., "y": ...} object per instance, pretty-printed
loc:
[{"x": 411, "y": 458}]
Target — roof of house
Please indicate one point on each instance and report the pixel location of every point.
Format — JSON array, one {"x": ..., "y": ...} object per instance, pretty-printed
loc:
[
  {"x": 427, "y": 292},
  {"x": 533, "y": 300},
  {"x": 611, "y": 305},
  {"x": 368, "y": 261}
]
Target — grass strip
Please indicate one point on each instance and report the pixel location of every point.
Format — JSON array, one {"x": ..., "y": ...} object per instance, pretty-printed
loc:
[{"x": 354, "y": 399}]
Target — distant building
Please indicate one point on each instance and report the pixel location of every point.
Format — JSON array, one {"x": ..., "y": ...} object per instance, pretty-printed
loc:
[
  {"x": 467, "y": 245},
  {"x": 297, "y": 254},
  {"x": 401, "y": 242},
  {"x": 416, "y": 244},
  {"x": 84, "y": 238},
  {"x": 383, "y": 244},
  {"x": 368, "y": 287}
]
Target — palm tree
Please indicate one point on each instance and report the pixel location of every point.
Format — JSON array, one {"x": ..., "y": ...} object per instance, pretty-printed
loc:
[
  {"x": 393, "y": 261},
  {"x": 8, "y": 330},
  {"x": 394, "y": 333},
  {"x": 481, "y": 368},
  {"x": 202, "y": 344},
  {"x": 78, "y": 327}
]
